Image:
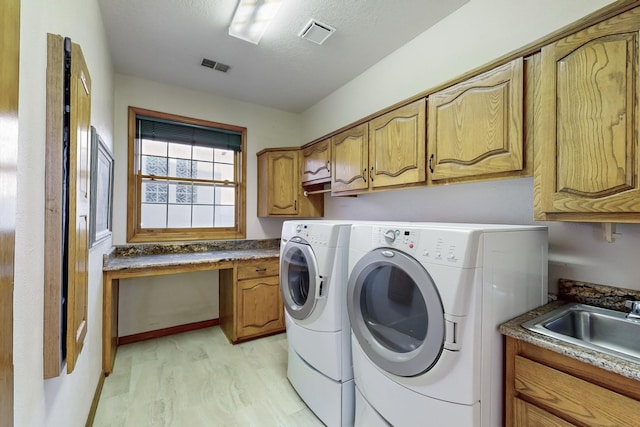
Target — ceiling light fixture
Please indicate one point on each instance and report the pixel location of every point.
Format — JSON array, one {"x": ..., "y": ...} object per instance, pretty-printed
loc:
[{"x": 252, "y": 18}]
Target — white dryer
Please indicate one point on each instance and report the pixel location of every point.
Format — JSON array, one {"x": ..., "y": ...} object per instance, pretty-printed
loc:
[
  {"x": 425, "y": 301},
  {"x": 313, "y": 279}
]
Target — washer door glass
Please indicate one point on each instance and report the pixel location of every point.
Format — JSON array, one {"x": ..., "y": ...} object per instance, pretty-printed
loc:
[
  {"x": 298, "y": 278},
  {"x": 396, "y": 313}
]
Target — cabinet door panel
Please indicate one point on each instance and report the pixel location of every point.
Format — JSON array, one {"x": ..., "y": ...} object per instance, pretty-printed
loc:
[
  {"x": 316, "y": 163},
  {"x": 260, "y": 308},
  {"x": 283, "y": 188},
  {"x": 475, "y": 127},
  {"x": 350, "y": 159},
  {"x": 589, "y": 154},
  {"x": 397, "y": 146}
]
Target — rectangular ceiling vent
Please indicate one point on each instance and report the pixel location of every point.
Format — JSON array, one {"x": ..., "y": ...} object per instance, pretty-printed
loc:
[
  {"x": 218, "y": 66},
  {"x": 316, "y": 31}
]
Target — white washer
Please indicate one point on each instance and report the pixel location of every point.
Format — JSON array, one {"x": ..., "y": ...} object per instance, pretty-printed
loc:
[
  {"x": 425, "y": 301},
  {"x": 313, "y": 279}
]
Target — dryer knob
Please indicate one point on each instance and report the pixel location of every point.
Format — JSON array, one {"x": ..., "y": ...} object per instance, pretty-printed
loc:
[{"x": 390, "y": 236}]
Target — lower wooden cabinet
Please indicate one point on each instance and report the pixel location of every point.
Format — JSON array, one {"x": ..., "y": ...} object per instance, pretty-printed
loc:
[
  {"x": 250, "y": 300},
  {"x": 544, "y": 388}
]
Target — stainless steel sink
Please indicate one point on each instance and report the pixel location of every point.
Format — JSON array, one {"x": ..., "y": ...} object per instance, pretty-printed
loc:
[{"x": 592, "y": 327}]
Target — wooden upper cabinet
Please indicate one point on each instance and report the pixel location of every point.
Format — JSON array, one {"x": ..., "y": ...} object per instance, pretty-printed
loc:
[
  {"x": 475, "y": 127},
  {"x": 316, "y": 163},
  {"x": 279, "y": 189},
  {"x": 397, "y": 146},
  {"x": 350, "y": 160},
  {"x": 587, "y": 166},
  {"x": 389, "y": 150}
]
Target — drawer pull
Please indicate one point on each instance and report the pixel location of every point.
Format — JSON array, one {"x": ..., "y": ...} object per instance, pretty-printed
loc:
[{"x": 260, "y": 270}]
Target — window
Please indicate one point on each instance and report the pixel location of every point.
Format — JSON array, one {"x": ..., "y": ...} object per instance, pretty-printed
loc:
[{"x": 186, "y": 178}]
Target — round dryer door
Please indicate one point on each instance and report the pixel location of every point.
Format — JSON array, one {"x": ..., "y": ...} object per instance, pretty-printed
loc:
[
  {"x": 396, "y": 313},
  {"x": 298, "y": 278}
]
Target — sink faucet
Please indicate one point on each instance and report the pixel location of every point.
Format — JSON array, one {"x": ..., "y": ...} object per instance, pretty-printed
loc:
[{"x": 634, "y": 314}]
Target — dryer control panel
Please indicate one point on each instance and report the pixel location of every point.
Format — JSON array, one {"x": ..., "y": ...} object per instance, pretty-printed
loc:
[
  {"x": 405, "y": 240},
  {"x": 434, "y": 245}
]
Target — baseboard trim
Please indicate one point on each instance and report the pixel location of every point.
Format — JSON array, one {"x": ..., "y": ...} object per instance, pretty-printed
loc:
[
  {"x": 128, "y": 339},
  {"x": 96, "y": 399}
]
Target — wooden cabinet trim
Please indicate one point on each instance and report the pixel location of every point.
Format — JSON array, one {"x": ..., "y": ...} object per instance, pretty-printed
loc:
[
  {"x": 315, "y": 163},
  {"x": 550, "y": 366},
  {"x": 476, "y": 127},
  {"x": 600, "y": 135}
]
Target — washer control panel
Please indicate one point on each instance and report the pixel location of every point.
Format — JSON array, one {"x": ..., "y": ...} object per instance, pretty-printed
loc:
[
  {"x": 316, "y": 236},
  {"x": 429, "y": 245}
]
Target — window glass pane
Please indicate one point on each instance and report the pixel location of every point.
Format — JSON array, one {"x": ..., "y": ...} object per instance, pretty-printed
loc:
[
  {"x": 223, "y": 156},
  {"x": 154, "y": 148},
  {"x": 154, "y": 192},
  {"x": 203, "y": 153},
  {"x": 179, "y": 216},
  {"x": 180, "y": 150},
  {"x": 203, "y": 216},
  {"x": 203, "y": 195},
  {"x": 181, "y": 168},
  {"x": 202, "y": 170},
  {"x": 181, "y": 194},
  {"x": 225, "y": 196},
  {"x": 154, "y": 216},
  {"x": 224, "y": 216},
  {"x": 152, "y": 165},
  {"x": 223, "y": 172}
]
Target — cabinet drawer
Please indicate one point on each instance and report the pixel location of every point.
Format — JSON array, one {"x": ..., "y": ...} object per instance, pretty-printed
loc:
[
  {"x": 575, "y": 398},
  {"x": 262, "y": 268},
  {"x": 526, "y": 415}
]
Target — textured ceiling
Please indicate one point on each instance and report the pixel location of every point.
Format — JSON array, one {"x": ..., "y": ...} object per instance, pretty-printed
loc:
[{"x": 166, "y": 40}]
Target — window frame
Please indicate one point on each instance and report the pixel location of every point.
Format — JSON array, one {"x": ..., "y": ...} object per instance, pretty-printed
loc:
[{"x": 135, "y": 232}]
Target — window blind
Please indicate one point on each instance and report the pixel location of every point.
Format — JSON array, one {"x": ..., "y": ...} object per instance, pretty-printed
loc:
[{"x": 184, "y": 133}]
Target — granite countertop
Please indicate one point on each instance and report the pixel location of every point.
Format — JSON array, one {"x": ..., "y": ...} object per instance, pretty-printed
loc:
[
  {"x": 582, "y": 292},
  {"x": 127, "y": 257}
]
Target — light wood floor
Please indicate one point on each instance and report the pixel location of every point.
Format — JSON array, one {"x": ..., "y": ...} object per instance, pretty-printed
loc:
[{"x": 198, "y": 379}]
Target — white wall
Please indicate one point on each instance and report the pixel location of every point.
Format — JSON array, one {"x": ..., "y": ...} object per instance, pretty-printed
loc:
[
  {"x": 140, "y": 309},
  {"x": 63, "y": 401},
  {"x": 474, "y": 35}
]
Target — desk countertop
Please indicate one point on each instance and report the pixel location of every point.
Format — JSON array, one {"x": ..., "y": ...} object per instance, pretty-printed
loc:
[{"x": 131, "y": 257}]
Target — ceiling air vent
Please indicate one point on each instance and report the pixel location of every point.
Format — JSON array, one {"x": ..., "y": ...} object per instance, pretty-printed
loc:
[
  {"x": 218, "y": 66},
  {"x": 316, "y": 31}
]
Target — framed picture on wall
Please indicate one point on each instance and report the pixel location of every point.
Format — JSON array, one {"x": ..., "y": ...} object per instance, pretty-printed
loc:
[{"x": 101, "y": 214}]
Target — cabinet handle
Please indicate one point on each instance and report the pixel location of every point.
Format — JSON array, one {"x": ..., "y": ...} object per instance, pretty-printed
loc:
[
  {"x": 260, "y": 270},
  {"x": 295, "y": 205},
  {"x": 371, "y": 174},
  {"x": 431, "y": 163},
  {"x": 328, "y": 166},
  {"x": 364, "y": 174}
]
